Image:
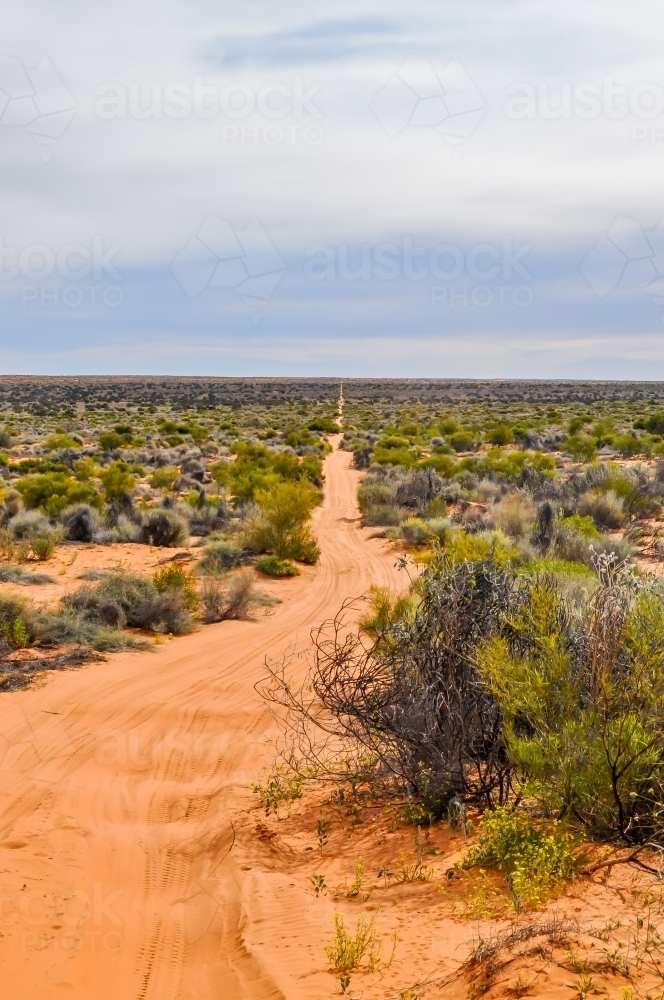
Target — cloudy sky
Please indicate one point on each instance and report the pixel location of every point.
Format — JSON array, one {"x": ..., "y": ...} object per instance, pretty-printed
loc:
[{"x": 428, "y": 189}]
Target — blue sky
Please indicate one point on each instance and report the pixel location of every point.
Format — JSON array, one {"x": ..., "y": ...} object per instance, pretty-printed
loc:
[{"x": 431, "y": 189}]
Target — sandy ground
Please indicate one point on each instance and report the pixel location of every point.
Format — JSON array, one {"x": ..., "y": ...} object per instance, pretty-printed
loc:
[
  {"x": 120, "y": 785},
  {"x": 137, "y": 864}
]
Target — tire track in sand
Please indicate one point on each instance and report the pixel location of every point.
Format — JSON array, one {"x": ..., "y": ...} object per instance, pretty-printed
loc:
[{"x": 118, "y": 784}]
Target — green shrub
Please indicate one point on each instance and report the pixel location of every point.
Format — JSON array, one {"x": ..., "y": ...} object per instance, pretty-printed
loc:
[
  {"x": 112, "y": 440},
  {"x": 175, "y": 577},
  {"x": 536, "y": 860},
  {"x": 43, "y": 547},
  {"x": 281, "y": 528},
  {"x": 274, "y": 566},
  {"x": 583, "y": 524},
  {"x": 85, "y": 469},
  {"x": 491, "y": 546},
  {"x": 580, "y": 689},
  {"x": 393, "y": 456},
  {"x": 164, "y": 477},
  {"x": 116, "y": 479},
  {"x": 628, "y": 444},
  {"x": 463, "y": 441},
  {"x": 581, "y": 447},
  {"x": 415, "y": 531},
  {"x": 15, "y": 632},
  {"x": 13, "y": 610},
  {"x": 257, "y": 468},
  {"x": 220, "y": 557},
  {"x": 501, "y": 434},
  {"x": 60, "y": 442},
  {"x": 51, "y": 492}
]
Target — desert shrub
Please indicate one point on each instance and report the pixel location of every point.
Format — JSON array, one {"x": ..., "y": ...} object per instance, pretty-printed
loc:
[
  {"x": 583, "y": 524},
  {"x": 117, "y": 480},
  {"x": 544, "y": 527},
  {"x": 372, "y": 494},
  {"x": 51, "y": 492},
  {"x": 29, "y": 524},
  {"x": 404, "y": 692},
  {"x": 438, "y": 528},
  {"x": 462, "y": 546},
  {"x": 501, "y": 434},
  {"x": 514, "y": 515},
  {"x": 220, "y": 557},
  {"x": 606, "y": 509},
  {"x": 555, "y": 567},
  {"x": 581, "y": 447},
  {"x": 274, "y": 566},
  {"x": 43, "y": 547},
  {"x": 139, "y": 601},
  {"x": 414, "y": 531},
  {"x": 85, "y": 469},
  {"x": 462, "y": 440},
  {"x": 536, "y": 860},
  {"x": 234, "y": 601},
  {"x": 377, "y": 501},
  {"x": 281, "y": 528},
  {"x": 18, "y": 620},
  {"x": 61, "y": 442},
  {"x": 111, "y": 440},
  {"x": 164, "y": 477},
  {"x": 580, "y": 692},
  {"x": 257, "y": 468},
  {"x": 628, "y": 444},
  {"x": 80, "y": 523},
  {"x": 175, "y": 577},
  {"x": 163, "y": 528},
  {"x": 384, "y": 454}
]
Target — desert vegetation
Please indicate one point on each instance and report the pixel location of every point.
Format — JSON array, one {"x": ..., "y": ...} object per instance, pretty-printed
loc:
[
  {"x": 228, "y": 486},
  {"x": 477, "y": 753}
]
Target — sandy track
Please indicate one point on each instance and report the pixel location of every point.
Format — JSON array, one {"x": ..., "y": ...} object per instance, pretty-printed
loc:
[{"x": 121, "y": 785}]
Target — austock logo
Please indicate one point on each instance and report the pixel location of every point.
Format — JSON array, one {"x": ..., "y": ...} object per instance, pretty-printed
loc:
[
  {"x": 36, "y": 100},
  {"x": 419, "y": 96},
  {"x": 219, "y": 257},
  {"x": 627, "y": 257}
]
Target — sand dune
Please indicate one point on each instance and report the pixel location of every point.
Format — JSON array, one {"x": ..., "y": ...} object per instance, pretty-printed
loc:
[{"x": 121, "y": 789}]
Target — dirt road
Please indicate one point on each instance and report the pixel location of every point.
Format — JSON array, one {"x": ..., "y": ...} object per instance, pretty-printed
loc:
[{"x": 120, "y": 786}]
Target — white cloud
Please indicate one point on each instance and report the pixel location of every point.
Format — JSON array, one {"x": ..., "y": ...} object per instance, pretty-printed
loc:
[{"x": 147, "y": 183}]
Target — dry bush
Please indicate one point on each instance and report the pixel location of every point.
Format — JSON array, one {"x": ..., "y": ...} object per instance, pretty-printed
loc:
[
  {"x": 80, "y": 523},
  {"x": 234, "y": 601},
  {"x": 164, "y": 528},
  {"x": 406, "y": 698},
  {"x": 606, "y": 509},
  {"x": 514, "y": 515}
]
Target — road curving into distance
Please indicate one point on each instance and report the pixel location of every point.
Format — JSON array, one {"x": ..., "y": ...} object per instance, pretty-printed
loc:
[{"x": 122, "y": 786}]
